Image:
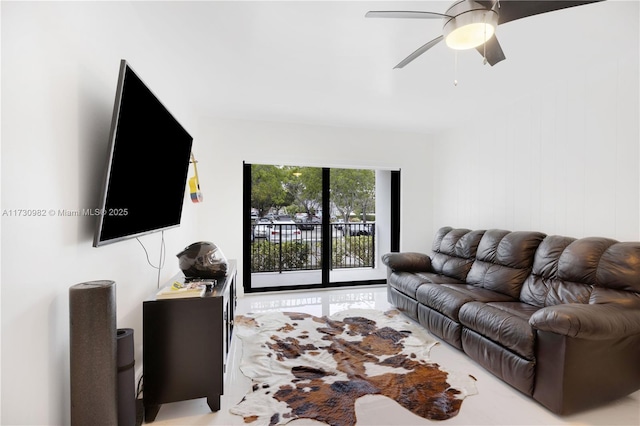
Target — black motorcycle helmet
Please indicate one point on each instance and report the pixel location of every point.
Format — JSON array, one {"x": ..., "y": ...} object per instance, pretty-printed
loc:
[{"x": 202, "y": 260}]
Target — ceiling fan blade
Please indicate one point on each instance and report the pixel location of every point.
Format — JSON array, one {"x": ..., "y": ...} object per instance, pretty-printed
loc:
[
  {"x": 492, "y": 51},
  {"x": 419, "y": 52},
  {"x": 404, "y": 14},
  {"x": 510, "y": 10}
]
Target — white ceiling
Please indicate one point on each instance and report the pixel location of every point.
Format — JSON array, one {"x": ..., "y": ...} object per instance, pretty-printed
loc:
[{"x": 323, "y": 62}]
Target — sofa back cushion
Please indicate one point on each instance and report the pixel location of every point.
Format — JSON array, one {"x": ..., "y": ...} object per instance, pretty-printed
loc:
[
  {"x": 587, "y": 270},
  {"x": 454, "y": 250},
  {"x": 619, "y": 267},
  {"x": 543, "y": 287},
  {"x": 504, "y": 260}
]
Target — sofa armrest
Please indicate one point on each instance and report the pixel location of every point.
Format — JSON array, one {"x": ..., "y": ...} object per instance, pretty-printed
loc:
[
  {"x": 588, "y": 321},
  {"x": 407, "y": 261}
]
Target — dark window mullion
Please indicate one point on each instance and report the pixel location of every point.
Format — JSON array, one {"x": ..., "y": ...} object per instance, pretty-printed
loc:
[
  {"x": 326, "y": 226},
  {"x": 246, "y": 224},
  {"x": 395, "y": 211}
]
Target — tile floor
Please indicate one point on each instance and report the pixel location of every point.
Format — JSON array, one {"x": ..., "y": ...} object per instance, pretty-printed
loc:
[{"x": 495, "y": 404}]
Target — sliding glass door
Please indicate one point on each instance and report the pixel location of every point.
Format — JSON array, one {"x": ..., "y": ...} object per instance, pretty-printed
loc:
[
  {"x": 285, "y": 247},
  {"x": 309, "y": 227}
]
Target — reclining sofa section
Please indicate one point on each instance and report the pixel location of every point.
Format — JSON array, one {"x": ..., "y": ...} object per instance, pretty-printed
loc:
[{"x": 557, "y": 318}]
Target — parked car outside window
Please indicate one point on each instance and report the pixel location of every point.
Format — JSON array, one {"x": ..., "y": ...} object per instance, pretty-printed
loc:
[
  {"x": 356, "y": 229},
  {"x": 283, "y": 231},
  {"x": 338, "y": 224},
  {"x": 261, "y": 230},
  {"x": 308, "y": 223}
]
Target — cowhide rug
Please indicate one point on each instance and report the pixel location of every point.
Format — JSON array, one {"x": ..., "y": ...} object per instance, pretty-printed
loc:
[{"x": 304, "y": 366}]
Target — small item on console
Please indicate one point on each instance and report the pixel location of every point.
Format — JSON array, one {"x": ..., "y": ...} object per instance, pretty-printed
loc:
[
  {"x": 203, "y": 261},
  {"x": 209, "y": 284}
]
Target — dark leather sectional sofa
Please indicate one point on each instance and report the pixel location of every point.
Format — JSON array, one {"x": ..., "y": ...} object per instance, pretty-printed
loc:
[{"x": 557, "y": 318}]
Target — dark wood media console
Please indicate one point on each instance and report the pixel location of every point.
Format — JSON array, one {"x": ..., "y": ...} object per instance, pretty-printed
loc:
[{"x": 185, "y": 345}]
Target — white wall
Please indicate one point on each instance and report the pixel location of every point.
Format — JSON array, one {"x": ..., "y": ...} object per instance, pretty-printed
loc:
[
  {"x": 563, "y": 162},
  {"x": 57, "y": 98}
]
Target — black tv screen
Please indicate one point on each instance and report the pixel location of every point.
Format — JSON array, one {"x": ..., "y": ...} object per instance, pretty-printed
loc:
[{"x": 148, "y": 163}]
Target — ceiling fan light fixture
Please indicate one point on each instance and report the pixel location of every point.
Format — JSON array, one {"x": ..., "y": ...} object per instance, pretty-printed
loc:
[
  {"x": 470, "y": 26},
  {"x": 470, "y": 36}
]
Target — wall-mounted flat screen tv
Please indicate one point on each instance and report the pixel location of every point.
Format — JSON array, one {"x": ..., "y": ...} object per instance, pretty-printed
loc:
[{"x": 147, "y": 165}]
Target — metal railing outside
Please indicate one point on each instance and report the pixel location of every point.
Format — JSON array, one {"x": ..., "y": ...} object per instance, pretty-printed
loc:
[{"x": 277, "y": 247}]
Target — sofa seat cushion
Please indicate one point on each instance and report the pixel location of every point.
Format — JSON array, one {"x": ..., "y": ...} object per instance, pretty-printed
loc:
[
  {"x": 449, "y": 298},
  {"x": 405, "y": 282},
  {"x": 506, "y": 323},
  {"x": 409, "y": 282},
  {"x": 433, "y": 278}
]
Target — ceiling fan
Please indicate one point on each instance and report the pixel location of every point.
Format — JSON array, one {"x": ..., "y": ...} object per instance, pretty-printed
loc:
[{"x": 469, "y": 24}]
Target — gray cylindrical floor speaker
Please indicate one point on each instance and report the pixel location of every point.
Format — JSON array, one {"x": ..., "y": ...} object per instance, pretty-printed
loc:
[
  {"x": 93, "y": 345},
  {"x": 126, "y": 378}
]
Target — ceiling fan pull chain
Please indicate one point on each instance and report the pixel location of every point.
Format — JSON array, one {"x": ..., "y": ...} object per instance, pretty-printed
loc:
[
  {"x": 484, "y": 45},
  {"x": 455, "y": 68}
]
